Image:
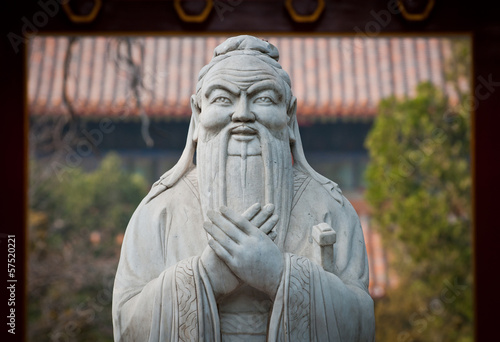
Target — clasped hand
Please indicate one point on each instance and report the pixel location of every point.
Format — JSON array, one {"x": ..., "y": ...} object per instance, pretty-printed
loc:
[{"x": 243, "y": 244}]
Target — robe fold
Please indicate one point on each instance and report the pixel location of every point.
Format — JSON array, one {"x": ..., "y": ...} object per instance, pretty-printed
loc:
[{"x": 162, "y": 291}]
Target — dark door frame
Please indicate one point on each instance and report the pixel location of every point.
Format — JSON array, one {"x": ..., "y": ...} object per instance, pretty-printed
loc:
[{"x": 353, "y": 17}]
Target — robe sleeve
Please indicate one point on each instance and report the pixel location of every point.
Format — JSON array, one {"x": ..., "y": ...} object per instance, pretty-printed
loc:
[
  {"x": 153, "y": 302},
  {"x": 315, "y": 305}
]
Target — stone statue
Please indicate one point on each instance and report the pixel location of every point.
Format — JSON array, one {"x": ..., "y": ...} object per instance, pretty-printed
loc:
[{"x": 240, "y": 246}]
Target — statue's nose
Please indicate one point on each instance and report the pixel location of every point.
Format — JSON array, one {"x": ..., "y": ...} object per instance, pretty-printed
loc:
[{"x": 242, "y": 112}]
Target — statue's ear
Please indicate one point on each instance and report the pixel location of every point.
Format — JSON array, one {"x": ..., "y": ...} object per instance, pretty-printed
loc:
[
  {"x": 292, "y": 119},
  {"x": 195, "y": 109}
]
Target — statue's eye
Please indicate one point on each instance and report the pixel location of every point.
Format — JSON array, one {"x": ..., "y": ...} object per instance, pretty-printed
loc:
[
  {"x": 221, "y": 99},
  {"x": 264, "y": 99}
]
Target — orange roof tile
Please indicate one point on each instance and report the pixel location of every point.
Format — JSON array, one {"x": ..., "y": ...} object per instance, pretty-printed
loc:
[
  {"x": 332, "y": 77},
  {"x": 377, "y": 261}
]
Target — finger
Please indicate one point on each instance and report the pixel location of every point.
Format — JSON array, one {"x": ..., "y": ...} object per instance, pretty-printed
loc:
[
  {"x": 263, "y": 215},
  {"x": 272, "y": 235},
  {"x": 220, "y": 251},
  {"x": 217, "y": 234},
  {"x": 252, "y": 211},
  {"x": 226, "y": 226},
  {"x": 269, "y": 224},
  {"x": 239, "y": 221}
]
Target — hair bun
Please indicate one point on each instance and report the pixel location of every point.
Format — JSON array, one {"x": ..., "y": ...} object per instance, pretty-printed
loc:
[{"x": 247, "y": 43}]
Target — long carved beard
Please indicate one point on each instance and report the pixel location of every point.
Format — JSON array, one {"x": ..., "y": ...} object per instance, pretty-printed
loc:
[{"x": 239, "y": 181}]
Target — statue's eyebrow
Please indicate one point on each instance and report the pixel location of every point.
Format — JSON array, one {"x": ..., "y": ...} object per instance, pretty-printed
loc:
[
  {"x": 264, "y": 85},
  {"x": 221, "y": 84}
]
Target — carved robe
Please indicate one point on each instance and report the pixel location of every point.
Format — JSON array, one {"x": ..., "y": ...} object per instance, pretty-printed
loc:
[{"x": 162, "y": 291}]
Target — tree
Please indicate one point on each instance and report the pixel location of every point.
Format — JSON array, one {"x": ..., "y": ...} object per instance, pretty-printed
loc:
[
  {"x": 75, "y": 230},
  {"x": 419, "y": 186}
]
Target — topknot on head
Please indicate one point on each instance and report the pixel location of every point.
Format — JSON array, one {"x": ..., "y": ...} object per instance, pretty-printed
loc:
[{"x": 247, "y": 45}]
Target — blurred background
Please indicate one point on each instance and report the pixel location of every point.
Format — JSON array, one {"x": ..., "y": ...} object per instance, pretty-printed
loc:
[{"x": 387, "y": 118}]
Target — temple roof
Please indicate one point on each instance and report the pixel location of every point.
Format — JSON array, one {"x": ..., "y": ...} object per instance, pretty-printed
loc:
[{"x": 332, "y": 77}]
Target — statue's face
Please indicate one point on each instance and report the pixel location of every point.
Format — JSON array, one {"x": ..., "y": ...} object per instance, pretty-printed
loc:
[
  {"x": 241, "y": 91},
  {"x": 242, "y": 137}
]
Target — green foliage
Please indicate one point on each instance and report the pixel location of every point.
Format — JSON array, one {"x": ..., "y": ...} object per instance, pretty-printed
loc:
[
  {"x": 75, "y": 230},
  {"x": 419, "y": 185}
]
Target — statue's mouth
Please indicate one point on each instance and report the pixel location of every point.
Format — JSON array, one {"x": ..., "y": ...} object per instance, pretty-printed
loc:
[
  {"x": 243, "y": 130},
  {"x": 243, "y": 133}
]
